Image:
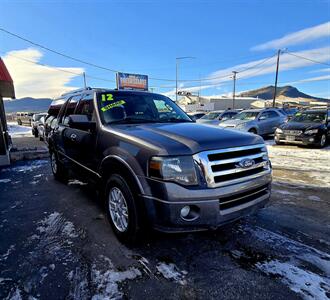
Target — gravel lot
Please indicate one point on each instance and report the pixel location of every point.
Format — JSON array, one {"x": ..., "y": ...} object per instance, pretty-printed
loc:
[{"x": 57, "y": 244}]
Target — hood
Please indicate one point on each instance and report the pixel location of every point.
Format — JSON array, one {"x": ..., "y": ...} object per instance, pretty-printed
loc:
[
  {"x": 234, "y": 122},
  {"x": 184, "y": 138},
  {"x": 210, "y": 122},
  {"x": 299, "y": 126}
]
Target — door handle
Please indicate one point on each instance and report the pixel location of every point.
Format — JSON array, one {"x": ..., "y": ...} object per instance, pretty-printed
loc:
[{"x": 73, "y": 137}]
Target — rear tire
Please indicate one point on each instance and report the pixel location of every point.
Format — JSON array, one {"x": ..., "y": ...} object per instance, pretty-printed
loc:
[
  {"x": 122, "y": 210},
  {"x": 19, "y": 122},
  {"x": 59, "y": 171}
]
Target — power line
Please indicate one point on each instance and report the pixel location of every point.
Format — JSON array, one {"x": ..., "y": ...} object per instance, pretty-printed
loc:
[
  {"x": 306, "y": 58},
  {"x": 109, "y": 69}
]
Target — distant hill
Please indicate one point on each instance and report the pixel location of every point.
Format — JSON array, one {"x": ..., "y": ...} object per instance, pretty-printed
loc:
[
  {"x": 27, "y": 104},
  {"x": 288, "y": 92}
]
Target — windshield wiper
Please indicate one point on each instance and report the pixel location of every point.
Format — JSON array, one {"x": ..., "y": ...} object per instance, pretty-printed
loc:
[
  {"x": 130, "y": 120},
  {"x": 175, "y": 120}
]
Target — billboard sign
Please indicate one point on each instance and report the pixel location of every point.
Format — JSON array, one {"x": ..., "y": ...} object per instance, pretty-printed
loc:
[{"x": 127, "y": 81}]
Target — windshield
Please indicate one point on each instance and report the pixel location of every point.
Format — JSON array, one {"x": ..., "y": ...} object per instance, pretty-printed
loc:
[
  {"x": 247, "y": 115},
  {"x": 309, "y": 117},
  {"x": 211, "y": 116},
  {"x": 130, "y": 107}
]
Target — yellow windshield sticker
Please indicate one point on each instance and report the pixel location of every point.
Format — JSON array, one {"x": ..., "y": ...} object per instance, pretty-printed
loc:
[
  {"x": 112, "y": 105},
  {"x": 107, "y": 97}
]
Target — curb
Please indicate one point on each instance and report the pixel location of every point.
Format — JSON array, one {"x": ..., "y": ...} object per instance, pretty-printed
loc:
[{"x": 28, "y": 154}]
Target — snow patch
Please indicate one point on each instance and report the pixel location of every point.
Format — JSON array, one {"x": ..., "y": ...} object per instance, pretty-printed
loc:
[
  {"x": 76, "y": 182},
  {"x": 107, "y": 281},
  {"x": 170, "y": 271},
  {"x": 6, "y": 180},
  {"x": 16, "y": 130},
  {"x": 314, "y": 198},
  {"x": 14, "y": 295},
  {"x": 8, "y": 252},
  {"x": 284, "y": 192},
  {"x": 309, "y": 285}
]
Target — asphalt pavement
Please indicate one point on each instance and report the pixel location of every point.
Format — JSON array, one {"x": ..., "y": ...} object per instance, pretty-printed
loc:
[{"x": 57, "y": 244}]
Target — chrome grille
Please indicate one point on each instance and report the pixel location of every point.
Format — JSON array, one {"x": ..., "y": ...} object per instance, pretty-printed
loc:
[
  {"x": 292, "y": 132},
  {"x": 226, "y": 166}
]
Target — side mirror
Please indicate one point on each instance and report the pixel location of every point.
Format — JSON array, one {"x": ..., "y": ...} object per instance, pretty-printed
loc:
[{"x": 81, "y": 122}]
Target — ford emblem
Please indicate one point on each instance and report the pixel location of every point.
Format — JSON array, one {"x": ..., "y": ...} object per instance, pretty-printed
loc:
[{"x": 246, "y": 163}]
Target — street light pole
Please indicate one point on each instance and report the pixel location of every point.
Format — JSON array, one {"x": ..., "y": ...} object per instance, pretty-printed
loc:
[
  {"x": 234, "y": 91},
  {"x": 176, "y": 73},
  {"x": 276, "y": 76}
]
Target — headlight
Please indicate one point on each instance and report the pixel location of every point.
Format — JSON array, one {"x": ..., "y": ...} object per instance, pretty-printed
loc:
[
  {"x": 180, "y": 169},
  {"x": 242, "y": 125},
  {"x": 278, "y": 130},
  {"x": 311, "y": 131}
]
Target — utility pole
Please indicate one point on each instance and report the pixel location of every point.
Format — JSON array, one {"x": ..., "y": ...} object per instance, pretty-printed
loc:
[
  {"x": 84, "y": 75},
  {"x": 234, "y": 91},
  {"x": 276, "y": 77},
  {"x": 176, "y": 73}
]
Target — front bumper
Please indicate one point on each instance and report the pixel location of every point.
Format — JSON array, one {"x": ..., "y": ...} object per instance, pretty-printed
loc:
[
  {"x": 212, "y": 207},
  {"x": 298, "y": 139}
]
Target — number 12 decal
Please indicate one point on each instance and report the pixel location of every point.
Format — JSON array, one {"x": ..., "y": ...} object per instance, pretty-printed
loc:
[{"x": 107, "y": 97}]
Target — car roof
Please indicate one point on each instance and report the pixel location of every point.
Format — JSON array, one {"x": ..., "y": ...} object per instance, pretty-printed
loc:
[{"x": 316, "y": 110}]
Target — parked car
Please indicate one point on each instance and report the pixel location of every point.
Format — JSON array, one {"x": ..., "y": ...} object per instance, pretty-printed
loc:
[
  {"x": 41, "y": 128},
  {"x": 215, "y": 117},
  {"x": 35, "y": 122},
  {"x": 196, "y": 115},
  {"x": 24, "y": 118},
  {"x": 258, "y": 121},
  {"x": 153, "y": 166},
  {"x": 309, "y": 127}
]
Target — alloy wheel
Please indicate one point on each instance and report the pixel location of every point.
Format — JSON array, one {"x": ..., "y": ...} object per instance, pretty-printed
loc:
[{"x": 118, "y": 209}]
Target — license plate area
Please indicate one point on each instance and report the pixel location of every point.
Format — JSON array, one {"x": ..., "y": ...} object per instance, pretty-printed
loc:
[{"x": 290, "y": 138}]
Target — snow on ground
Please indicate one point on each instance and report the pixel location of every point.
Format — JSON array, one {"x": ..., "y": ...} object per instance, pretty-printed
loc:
[
  {"x": 18, "y": 130},
  {"x": 309, "y": 285},
  {"x": 106, "y": 281},
  {"x": 315, "y": 163},
  {"x": 304, "y": 269},
  {"x": 170, "y": 271},
  {"x": 27, "y": 167}
]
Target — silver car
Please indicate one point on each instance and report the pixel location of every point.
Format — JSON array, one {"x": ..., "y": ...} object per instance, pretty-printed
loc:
[
  {"x": 216, "y": 117},
  {"x": 258, "y": 121}
]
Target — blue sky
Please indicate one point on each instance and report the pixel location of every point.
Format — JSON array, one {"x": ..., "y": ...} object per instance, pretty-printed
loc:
[{"x": 146, "y": 37}]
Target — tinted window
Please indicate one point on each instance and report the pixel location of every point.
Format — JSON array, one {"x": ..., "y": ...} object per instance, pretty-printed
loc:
[
  {"x": 70, "y": 108},
  {"x": 272, "y": 114},
  {"x": 86, "y": 107}
]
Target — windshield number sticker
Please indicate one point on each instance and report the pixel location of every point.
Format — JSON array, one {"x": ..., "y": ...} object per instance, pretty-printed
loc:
[
  {"x": 107, "y": 97},
  {"x": 112, "y": 105}
]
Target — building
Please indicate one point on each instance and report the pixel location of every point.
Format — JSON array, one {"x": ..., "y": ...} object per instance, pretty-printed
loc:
[
  {"x": 211, "y": 103},
  {"x": 6, "y": 91}
]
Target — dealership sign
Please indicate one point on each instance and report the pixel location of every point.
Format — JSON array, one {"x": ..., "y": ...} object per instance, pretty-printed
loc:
[{"x": 132, "y": 81}]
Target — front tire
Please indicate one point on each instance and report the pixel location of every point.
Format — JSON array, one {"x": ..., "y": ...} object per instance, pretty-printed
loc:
[
  {"x": 122, "y": 209},
  {"x": 323, "y": 141}
]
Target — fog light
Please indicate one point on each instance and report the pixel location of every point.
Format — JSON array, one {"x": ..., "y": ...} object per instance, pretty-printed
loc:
[
  {"x": 311, "y": 139},
  {"x": 185, "y": 211}
]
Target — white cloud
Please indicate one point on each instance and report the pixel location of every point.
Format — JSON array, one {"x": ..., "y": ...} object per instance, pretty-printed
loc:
[
  {"x": 324, "y": 70},
  {"x": 287, "y": 62},
  {"x": 37, "y": 81},
  {"x": 313, "y": 79},
  {"x": 298, "y": 37}
]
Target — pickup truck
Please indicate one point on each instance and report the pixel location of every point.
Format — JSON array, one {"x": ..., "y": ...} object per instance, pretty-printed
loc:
[{"x": 153, "y": 166}]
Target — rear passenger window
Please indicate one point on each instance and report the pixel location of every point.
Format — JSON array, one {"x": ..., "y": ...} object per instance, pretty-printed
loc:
[
  {"x": 86, "y": 107},
  {"x": 272, "y": 114}
]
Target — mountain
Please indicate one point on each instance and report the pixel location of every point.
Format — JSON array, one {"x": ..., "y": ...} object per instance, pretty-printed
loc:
[
  {"x": 27, "y": 104},
  {"x": 284, "y": 92}
]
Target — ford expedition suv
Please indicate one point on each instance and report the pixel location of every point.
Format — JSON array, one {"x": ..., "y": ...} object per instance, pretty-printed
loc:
[{"x": 154, "y": 166}]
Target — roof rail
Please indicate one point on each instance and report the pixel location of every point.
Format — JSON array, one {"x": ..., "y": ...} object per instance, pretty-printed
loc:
[{"x": 76, "y": 91}]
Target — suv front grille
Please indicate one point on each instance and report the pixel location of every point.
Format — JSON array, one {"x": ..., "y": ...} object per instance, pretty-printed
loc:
[
  {"x": 292, "y": 132},
  {"x": 226, "y": 166}
]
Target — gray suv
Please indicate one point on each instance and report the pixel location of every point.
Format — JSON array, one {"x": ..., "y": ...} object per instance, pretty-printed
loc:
[
  {"x": 155, "y": 167},
  {"x": 258, "y": 121}
]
